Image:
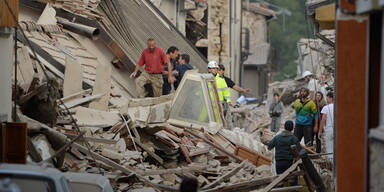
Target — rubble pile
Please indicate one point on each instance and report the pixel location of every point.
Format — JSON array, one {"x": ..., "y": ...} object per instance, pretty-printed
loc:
[{"x": 160, "y": 154}]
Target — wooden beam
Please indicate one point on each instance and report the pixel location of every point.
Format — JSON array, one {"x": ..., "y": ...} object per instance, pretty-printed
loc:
[
  {"x": 226, "y": 176},
  {"x": 250, "y": 185},
  {"x": 180, "y": 170},
  {"x": 218, "y": 147},
  {"x": 282, "y": 176}
]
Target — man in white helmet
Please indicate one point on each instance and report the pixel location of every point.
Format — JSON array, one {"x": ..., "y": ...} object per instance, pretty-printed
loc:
[
  {"x": 222, "y": 87},
  {"x": 313, "y": 84}
]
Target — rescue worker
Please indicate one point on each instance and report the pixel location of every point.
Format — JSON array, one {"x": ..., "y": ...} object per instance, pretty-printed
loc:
[{"x": 222, "y": 88}]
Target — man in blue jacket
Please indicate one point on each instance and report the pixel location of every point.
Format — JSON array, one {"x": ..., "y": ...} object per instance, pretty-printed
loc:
[
  {"x": 181, "y": 68},
  {"x": 283, "y": 153}
]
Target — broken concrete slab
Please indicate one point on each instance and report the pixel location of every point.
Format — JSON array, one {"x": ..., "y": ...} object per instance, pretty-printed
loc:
[
  {"x": 95, "y": 118},
  {"x": 73, "y": 77},
  {"x": 102, "y": 86}
]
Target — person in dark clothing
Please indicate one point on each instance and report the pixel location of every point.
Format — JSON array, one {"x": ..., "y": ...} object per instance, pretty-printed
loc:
[
  {"x": 172, "y": 54},
  {"x": 275, "y": 111},
  {"x": 189, "y": 185},
  {"x": 282, "y": 142},
  {"x": 320, "y": 103},
  {"x": 229, "y": 81},
  {"x": 181, "y": 68}
]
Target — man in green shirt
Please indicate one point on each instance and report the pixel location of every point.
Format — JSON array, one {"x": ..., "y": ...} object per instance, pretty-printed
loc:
[{"x": 306, "y": 117}]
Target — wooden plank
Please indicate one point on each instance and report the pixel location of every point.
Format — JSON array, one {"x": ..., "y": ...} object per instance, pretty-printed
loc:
[
  {"x": 253, "y": 156},
  {"x": 185, "y": 152},
  {"x": 249, "y": 185},
  {"x": 102, "y": 86},
  {"x": 179, "y": 170},
  {"x": 199, "y": 151},
  {"x": 226, "y": 176},
  {"x": 7, "y": 19},
  {"x": 173, "y": 129},
  {"x": 218, "y": 147},
  {"x": 222, "y": 142},
  {"x": 73, "y": 77},
  {"x": 312, "y": 172},
  {"x": 307, "y": 179},
  {"x": 152, "y": 154},
  {"x": 282, "y": 176}
]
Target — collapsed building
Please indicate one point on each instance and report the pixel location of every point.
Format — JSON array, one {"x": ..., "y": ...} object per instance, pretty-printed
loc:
[{"x": 73, "y": 91}]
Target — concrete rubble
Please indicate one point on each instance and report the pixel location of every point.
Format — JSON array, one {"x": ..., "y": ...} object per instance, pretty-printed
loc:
[{"x": 128, "y": 140}]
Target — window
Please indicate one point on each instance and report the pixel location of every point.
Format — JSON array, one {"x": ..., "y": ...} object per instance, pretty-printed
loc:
[{"x": 190, "y": 104}]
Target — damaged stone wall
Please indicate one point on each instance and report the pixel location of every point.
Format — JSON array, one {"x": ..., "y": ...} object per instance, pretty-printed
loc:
[
  {"x": 317, "y": 56},
  {"x": 256, "y": 25},
  {"x": 218, "y": 31}
]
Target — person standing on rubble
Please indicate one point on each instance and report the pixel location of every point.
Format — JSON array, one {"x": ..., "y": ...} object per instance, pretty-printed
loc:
[
  {"x": 275, "y": 111},
  {"x": 306, "y": 117},
  {"x": 172, "y": 54},
  {"x": 326, "y": 125},
  {"x": 222, "y": 88},
  {"x": 282, "y": 143},
  {"x": 229, "y": 81},
  {"x": 153, "y": 58},
  {"x": 313, "y": 84},
  {"x": 182, "y": 67},
  {"x": 320, "y": 103}
]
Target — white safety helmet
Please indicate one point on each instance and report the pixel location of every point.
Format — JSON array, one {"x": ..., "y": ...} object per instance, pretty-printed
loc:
[
  {"x": 306, "y": 73},
  {"x": 213, "y": 64}
]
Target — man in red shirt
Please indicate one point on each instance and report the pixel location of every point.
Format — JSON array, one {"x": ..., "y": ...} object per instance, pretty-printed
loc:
[{"x": 153, "y": 58}]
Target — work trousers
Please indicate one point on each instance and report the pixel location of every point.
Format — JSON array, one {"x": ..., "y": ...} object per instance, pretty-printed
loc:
[
  {"x": 282, "y": 166},
  {"x": 156, "y": 80},
  {"x": 328, "y": 139},
  {"x": 275, "y": 124},
  {"x": 305, "y": 131},
  {"x": 166, "y": 85},
  {"x": 318, "y": 143}
]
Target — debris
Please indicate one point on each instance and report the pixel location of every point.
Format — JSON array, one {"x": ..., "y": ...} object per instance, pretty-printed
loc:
[
  {"x": 221, "y": 149},
  {"x": 76, "y": 102},
  {"x": 254, "y": 157},
  {"x": 73, "y": 77},
  {"x": 226, "y": 176}
]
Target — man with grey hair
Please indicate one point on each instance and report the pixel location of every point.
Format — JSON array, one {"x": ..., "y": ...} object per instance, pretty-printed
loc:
[{"x": 154, "y": 59}]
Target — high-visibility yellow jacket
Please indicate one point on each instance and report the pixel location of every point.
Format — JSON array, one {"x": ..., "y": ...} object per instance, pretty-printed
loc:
[{"x": 223, "y": 89}]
